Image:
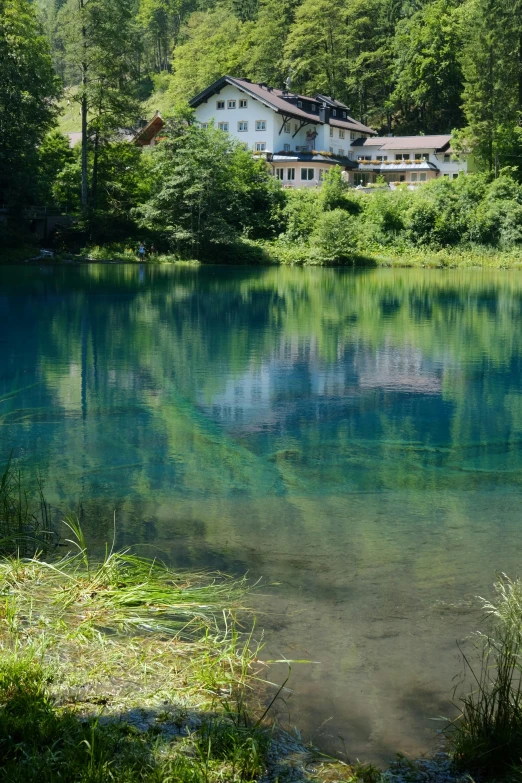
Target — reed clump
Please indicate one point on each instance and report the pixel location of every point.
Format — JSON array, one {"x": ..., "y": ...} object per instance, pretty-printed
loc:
[{"x": 487, "y": 738}]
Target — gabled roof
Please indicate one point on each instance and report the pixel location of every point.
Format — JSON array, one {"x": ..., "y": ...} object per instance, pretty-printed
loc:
[
  {"x": 270, "y": 97},
  {"x": 149, "y": 131},
  {"x": 281, "y": 101},
  {"x": 437, "y": 143},
  {"x": 350, "y": 124}
]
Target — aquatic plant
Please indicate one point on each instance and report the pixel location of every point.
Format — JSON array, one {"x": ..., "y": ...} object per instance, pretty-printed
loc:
[
  {"x": 25, "y": 525},
  {"x": 487, "y": 737}
]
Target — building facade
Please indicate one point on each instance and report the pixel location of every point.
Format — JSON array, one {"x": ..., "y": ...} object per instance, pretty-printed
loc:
[{"x": 303, "y": 137}]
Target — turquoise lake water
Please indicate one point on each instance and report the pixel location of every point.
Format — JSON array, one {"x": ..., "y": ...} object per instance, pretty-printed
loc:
[{"x": 352, "y": 438}]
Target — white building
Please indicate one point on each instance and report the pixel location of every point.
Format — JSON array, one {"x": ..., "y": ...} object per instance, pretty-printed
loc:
[{"x": 303, "y": 137}]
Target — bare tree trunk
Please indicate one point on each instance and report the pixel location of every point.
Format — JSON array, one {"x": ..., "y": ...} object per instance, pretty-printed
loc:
[
  {"x": 84, "y": 108},
  {"x": 94, "y": 179}
]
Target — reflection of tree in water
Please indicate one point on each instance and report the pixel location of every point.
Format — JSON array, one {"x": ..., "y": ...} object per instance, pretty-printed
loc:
[
  {"x": 218, "y": 382},
  {"x": 332, "y": 431}
]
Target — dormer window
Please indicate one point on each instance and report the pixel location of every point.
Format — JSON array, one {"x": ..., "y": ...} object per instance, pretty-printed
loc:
[{"x": 334, "y": 112}]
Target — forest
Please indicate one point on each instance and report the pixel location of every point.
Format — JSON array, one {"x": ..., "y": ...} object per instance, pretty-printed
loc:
[{"x": 102, "y": 66}]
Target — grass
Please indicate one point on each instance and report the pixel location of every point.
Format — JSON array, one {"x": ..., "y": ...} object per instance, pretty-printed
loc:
[
  {"x": 300, "y": 254},
  {"x": 121, "y": 669},
  {"x": 487, "y": 737}
]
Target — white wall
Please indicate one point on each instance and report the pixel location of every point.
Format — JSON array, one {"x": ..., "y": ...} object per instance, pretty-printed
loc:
[
  {"x": 208, "y": 112},
  {"x": 275, "y": 136}
]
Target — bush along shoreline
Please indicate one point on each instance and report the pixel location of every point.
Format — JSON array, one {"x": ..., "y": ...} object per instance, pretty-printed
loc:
[
  {"x": 200, "y": 196},
  {"x": 121, "y": 669}
]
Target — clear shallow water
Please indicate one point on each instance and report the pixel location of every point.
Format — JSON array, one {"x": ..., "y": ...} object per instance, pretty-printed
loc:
[{"x": 354, "y": 438}]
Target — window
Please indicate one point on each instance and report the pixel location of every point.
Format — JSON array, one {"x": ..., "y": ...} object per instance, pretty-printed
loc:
[
  {"x": 279, "y": 173},
  {"x": 331, "y": 132},
  {"x": 446, "y": 175},
  {"x": 296, "y": 127},
  {"x": 223, "y": 126},
  {"x": 204, "y": 125},
  {"x": 422, "y": 177},
  {"x": 367, "y": 157},
  {"x": 313, "y": 107},
  {"x": 399, "y": 156},
  {"x": 447, "y": 158},
  {"x": 220, "y": 104},
  {"x": 300, "y": 104},
  {"x": 341, "y": 133},
  {"x": 231, "y": 104},
  {"x": 287, "y": 127},
  {"x": 413, "y": 177},
  {"x": 242, "y": 125},
  {"x": 321, "y": 175},
  {"x": 340, "y": 151},
  {"x": 382, "y": 157},
  {"x": 243, "y": 103},
  {"x": 455, "y": 175},
  {"x": 422, "y": 156},
  {"x": 334, "y": 112},
  {"x": 260, "y": 146},
  {"x": 344, "y": 115},
  {"x": 307, "y": 174},
  {"x": 402, "y": 178},
  {"x": 286, "y": 147},
  {"x": 353, "y": 135},
  {"x": 290, "y": 174},
  {"x": 330, "y": 149},
  {"x": 260, "y": 124}
]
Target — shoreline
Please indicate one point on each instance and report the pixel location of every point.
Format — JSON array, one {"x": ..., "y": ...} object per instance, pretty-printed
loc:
[
  {"x": 479, "y": 258},
  {"x": 134, "y": 659}
]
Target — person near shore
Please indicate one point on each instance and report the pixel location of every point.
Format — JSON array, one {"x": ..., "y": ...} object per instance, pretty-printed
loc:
[{"x": 141, "y": 251}]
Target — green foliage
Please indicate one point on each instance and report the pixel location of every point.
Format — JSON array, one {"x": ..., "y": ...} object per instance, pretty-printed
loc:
[
  {"x": 300, "y": 213},
  {"x": 28, "y": 89},
  {"x": 207, "y": 191},
  {"x": 334, "y": 191},
  {"x": 55, "y": 155},
  {"x": 428, "y": 75},
  {"x": 334, "y": 237},
  {"x": 487, "y": 738},
  {"x": 492, "y": 94},
  {"x": 219, "y": 34}
]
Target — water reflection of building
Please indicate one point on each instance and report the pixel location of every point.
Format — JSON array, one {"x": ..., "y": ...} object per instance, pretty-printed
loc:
[
  {"x": 398, "y": 368},
  {"x": 295, "y": 373}
]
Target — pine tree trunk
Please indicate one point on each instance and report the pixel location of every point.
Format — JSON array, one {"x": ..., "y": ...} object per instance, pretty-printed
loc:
[{"x": 84, "y": 107}]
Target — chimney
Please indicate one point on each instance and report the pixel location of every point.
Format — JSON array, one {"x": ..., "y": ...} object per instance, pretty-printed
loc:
[{"x": 324, "y": 113}]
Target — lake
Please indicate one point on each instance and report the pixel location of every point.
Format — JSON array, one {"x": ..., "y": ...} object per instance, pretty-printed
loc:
[{"x": 352, "y": 438}]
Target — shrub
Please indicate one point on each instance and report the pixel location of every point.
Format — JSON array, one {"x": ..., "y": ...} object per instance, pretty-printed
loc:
[
  {"x": 301, "y": 213},
  {"x": 334, "y": 237}
]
